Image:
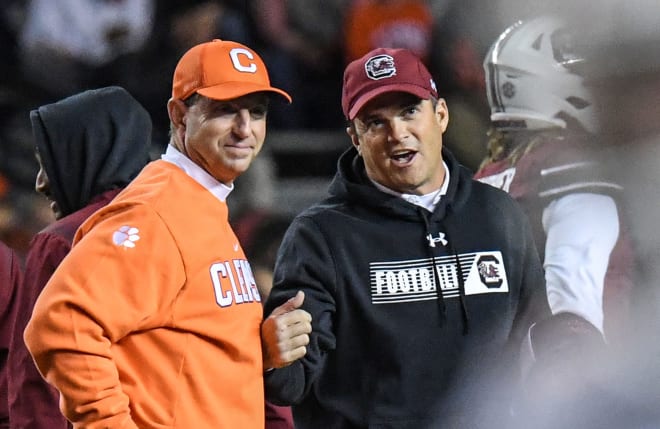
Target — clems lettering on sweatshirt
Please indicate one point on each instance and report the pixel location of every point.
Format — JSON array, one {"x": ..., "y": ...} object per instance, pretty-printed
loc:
[{"x": 233, "y": 283}]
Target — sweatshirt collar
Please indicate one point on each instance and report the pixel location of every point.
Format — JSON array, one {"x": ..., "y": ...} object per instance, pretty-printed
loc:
[
  {"x": 427, "y": 201},
  {"x": 197, "y": 173}
]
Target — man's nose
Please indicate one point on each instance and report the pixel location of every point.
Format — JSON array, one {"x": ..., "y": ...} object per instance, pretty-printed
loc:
[
  {"x": 398, "y": 130},
  {"x": 242, "y": 123}
]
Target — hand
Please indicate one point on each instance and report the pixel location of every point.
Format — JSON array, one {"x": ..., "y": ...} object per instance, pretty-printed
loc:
[
  {"x": 567, "y": 374},
  {"x": 567, "y": 354},
  {"x": 285, "y": 333}
]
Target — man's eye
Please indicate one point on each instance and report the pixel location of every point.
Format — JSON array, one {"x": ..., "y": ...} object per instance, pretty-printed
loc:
[
  {"x": 225, "y": 109},
  {"x": 258, "y": 112},
  {"x": 410, "y": 110},
  {"x": 373, "y": 123}
]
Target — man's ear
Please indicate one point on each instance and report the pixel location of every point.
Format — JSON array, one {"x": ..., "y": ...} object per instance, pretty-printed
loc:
[
  {"x": 442, "y": 114},
  {"x": 350, "y": 130},
  {"x": 176, "y": 109}
]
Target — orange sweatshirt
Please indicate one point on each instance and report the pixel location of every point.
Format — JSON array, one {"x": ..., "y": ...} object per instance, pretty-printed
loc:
[{"x": 153, "y": 319}]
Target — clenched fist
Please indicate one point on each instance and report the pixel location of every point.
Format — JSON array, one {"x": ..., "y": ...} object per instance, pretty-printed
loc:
[{"x": 285, "y": 333}]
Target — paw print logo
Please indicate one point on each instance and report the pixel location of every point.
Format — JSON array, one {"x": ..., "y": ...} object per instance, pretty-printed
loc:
[{"x": 126, "y": 236}]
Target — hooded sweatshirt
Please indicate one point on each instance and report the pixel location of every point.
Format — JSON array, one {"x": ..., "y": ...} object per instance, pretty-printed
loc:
[
  {"x": 91, "y": 145},
  {"x": 91, "y": 142},
  {"x": 417, "y": 317}
]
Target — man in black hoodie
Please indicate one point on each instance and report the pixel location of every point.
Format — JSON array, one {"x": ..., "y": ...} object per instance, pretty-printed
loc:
[
  {"x": 89, "y": 147},
  {"x": 421, "y": 283}
]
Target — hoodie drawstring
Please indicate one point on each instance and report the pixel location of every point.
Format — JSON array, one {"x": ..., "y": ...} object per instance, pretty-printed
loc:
[
  {"x": 459, "y": 269},
  {"x": 436, "y": 277},
  {"x": 461, "y": 290}
]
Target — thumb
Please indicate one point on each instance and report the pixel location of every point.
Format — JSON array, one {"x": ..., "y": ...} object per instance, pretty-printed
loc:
[{"x": 293, "y": 303}]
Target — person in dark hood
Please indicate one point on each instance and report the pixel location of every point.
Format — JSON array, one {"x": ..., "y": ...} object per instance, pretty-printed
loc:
[
  {"x": 421, "y": 282},
  {"x": 89, "y": 147}
]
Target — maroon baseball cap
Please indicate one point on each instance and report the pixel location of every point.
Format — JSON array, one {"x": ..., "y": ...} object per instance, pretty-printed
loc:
[{"x": 384, "y": 70}]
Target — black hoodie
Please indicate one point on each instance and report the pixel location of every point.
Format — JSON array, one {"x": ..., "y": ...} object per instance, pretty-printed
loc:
[
  {"x": 387, "y": 349},
  {"x": 106, "y": 152}
]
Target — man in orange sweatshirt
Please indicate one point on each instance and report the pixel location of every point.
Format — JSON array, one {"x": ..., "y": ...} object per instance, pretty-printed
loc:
[{"x": 153, "y": 320}]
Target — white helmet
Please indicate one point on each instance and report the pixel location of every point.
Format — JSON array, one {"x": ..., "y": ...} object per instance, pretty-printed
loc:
[{"x": 530, "y": 78}]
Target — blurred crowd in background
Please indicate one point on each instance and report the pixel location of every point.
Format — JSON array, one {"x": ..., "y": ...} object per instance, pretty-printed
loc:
[{"x": 52, "y": 49}]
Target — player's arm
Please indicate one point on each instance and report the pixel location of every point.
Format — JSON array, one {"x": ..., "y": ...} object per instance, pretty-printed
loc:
[
  {"x": 560, "y": 350},
  {"x": 115, "y": 281},
  {"x": 581, "y": 229}
]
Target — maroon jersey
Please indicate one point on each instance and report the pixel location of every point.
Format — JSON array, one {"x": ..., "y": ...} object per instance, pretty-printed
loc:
[
  {"x": 278, "y": 417},
  {"x": 33, "y": 402},
  {"x": 10, "y": 277},
  {"x": 549, "y": 169}
]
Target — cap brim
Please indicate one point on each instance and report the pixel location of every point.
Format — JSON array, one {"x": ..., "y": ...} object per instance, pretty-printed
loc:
[
  {"x": 231, "y": 90},
  {"x": 363, "y": 99}
]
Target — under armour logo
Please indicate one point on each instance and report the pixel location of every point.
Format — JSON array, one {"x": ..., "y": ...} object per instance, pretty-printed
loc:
[{"x": 439, "y": 239}]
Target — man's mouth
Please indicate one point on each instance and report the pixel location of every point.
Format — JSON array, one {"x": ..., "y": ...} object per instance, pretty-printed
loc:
[{"x": 403, "y": 157}]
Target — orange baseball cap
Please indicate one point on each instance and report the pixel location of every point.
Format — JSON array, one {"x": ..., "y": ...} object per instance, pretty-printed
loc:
[{"x": 221, "y": 70}]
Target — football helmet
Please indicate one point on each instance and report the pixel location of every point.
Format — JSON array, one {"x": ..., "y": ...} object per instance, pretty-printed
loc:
[{"x": 532, "y": 78}]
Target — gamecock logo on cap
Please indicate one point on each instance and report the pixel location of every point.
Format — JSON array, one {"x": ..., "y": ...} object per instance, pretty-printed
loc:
[{"x": 379, "y": 67}]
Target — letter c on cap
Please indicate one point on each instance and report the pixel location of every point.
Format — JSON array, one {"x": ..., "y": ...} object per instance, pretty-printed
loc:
[{"x": 235, "y": 59}]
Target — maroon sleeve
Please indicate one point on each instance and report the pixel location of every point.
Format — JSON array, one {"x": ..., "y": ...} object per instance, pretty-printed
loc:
[
  {"x": 278, "y": 417},
  {"x": 33, "y": 403},
  {"x": 10, "y": 277}
]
